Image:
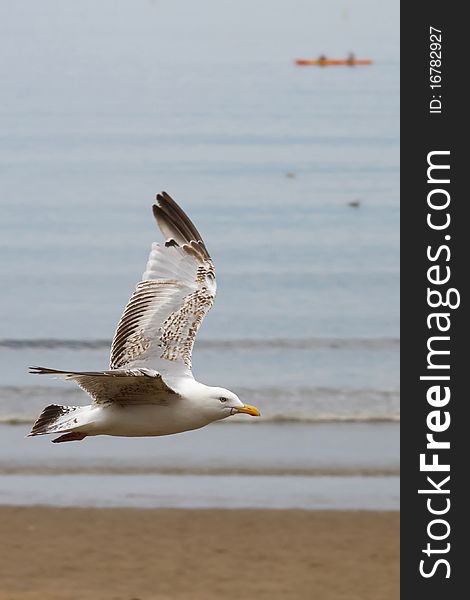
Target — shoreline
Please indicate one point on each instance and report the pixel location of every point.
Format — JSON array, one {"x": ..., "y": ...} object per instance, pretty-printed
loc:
[
  {"x": 238, "y": 466},
  {"x": 197, "y": 554},
  {"x": 202, "y": 491}
]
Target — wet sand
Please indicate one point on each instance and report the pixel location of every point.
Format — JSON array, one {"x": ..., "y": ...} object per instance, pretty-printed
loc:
[{"x": 164, "y": 554}]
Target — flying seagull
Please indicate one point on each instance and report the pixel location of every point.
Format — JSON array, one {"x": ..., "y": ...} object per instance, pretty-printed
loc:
[{"x": 149, "y": 389}]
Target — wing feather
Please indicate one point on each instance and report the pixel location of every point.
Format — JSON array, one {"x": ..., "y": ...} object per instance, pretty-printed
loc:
[
  {"x": 160, "y": 322},
  {"x": 132, "y": 386}
]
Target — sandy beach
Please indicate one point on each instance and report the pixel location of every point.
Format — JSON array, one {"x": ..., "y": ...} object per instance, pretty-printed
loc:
[{"x": 130, "y": 554}]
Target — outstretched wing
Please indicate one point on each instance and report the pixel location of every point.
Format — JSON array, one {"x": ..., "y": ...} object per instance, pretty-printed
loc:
[
  {"x": 161, "y": 320},
  {"x": 130, "y": 386}
]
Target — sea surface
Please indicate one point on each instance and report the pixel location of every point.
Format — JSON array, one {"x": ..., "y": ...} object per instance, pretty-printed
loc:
[{"x": 103, "y": 105}]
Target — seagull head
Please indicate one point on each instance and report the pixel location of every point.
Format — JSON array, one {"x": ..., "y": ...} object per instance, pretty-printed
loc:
[{"x": 224, "y": 403}]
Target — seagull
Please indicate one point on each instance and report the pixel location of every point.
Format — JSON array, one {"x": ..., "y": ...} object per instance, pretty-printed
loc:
[{"x": 149, "y": 389}]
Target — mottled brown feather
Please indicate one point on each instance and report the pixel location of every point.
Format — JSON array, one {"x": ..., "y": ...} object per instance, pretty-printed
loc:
[{"x": 176, "y": 290}]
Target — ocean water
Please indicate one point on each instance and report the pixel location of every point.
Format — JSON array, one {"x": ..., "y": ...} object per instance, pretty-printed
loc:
[
  {"x": 105, "y": 105},
  {"x": 302, "y": 465}
]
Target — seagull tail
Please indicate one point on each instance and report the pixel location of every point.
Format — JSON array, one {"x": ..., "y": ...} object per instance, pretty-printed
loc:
[{"x": 56, "y": 419}]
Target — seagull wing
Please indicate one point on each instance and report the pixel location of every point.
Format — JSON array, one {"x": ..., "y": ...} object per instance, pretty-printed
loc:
[
  {"x": 161, "y": 320},
  {"x": 130, "y": 386}
]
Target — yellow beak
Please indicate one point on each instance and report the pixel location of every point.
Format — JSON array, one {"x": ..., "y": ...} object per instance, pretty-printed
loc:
[{"x": 249, "y": 410}]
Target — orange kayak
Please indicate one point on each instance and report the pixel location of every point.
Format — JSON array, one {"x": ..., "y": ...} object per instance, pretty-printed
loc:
[{"x": 332, "y": 61}]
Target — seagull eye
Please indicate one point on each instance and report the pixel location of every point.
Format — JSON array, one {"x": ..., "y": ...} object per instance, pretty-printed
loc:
[{"x": 223, "y": 399}]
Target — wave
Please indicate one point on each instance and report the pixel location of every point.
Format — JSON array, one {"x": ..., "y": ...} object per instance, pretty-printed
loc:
[
  {"x": 376, "y": 343},
  {"x": 285, "y": 419},
  {"x": 78, "y": 469},
  {"x": 22, "y": 404}
]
